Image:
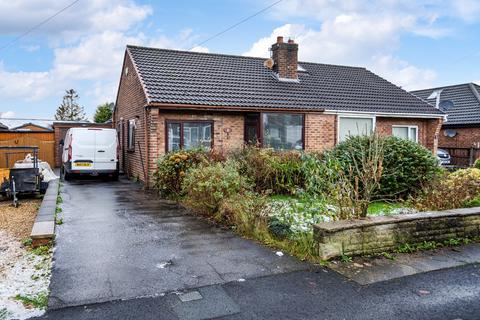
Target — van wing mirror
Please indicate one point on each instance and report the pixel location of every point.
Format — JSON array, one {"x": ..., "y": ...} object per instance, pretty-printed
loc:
[{"x": 62, "y": 142}]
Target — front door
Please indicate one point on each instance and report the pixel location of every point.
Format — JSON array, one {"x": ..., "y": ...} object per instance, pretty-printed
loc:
[{"x": 252, "y": 128}]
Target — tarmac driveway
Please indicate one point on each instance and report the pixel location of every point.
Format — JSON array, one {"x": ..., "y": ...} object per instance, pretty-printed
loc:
[{"x": 120, "y": 242}]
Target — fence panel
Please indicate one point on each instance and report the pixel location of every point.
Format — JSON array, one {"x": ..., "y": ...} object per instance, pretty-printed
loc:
[{"x": 45, "y": 141}]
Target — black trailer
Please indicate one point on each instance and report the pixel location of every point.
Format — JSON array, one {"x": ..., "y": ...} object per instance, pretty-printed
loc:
[{"x": 21, "y": 181}]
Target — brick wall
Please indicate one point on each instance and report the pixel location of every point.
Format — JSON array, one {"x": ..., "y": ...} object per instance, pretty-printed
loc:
[
  {"x": 465, "y": 138},
  {"x": 130, "y": 104},
  {"x": 382, "y": 234},
  {"x": 428, "y": 129},
  {"x": 223, "y": 122},
  {"x": 320, "y": 132}
]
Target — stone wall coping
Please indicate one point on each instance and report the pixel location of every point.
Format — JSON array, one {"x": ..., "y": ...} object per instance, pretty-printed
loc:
[
  {"x": 44, "y": 225},
  {"x": 336, "y": 226}
]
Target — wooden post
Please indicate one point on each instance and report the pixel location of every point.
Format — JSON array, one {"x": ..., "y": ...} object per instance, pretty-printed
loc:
[{"x": 471, "y": 156}]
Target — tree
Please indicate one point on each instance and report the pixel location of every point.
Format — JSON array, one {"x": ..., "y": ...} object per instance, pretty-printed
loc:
[
  {"x": 70, "y": 110},
  {"x": 104, "y": 112}
]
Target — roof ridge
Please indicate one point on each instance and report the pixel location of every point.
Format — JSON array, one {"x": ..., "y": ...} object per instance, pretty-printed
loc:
[
  {"x": 237, "y": 56},
  {"x": 443, "y": 87}
]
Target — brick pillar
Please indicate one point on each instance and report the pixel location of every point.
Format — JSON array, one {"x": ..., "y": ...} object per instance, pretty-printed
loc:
[
  {"x": 433, "y": 132},
  {"x": 153, "y": 146}
]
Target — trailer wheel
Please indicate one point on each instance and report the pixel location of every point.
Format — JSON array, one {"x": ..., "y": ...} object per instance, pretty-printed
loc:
[{"x": 14, "y": 194}]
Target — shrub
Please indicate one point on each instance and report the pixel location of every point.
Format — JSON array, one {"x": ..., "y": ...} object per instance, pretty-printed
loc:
[
  {"x": 319, "y": 174},
  {"x": 477, "y": 164},
  {"x": 407, "y": 165},
  {"x": 243, "y": 212},
  {"x": 271, "y": 171},
  {"x": 359, "y": 177},
  {"x": 172, "y": 168},
  {"x": 452, "y": 190},
  {"x": 207, "y": 185}
]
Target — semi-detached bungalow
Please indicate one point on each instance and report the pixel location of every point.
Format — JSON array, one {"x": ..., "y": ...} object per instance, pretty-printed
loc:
[{"x": 169, "y": 100}]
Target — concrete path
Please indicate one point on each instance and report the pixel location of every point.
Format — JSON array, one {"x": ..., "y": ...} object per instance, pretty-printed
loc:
[
  {"x": 119, "y": 242},
  {"x": 371, "y": 270}
]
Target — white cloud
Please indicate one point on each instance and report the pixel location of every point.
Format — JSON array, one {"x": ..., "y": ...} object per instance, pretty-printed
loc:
[
  {"x": 468, "y": 10},
  {"x": 82, "y": 18},
  {"x": 96, "y": 58},
  {"x": 200, "y": 49},
  {"x": 358, "y": 33},
  {"x": 402, "y": 73}
]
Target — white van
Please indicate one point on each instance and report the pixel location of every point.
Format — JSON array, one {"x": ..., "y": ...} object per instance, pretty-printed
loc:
[{"x": 90, "y": 151}]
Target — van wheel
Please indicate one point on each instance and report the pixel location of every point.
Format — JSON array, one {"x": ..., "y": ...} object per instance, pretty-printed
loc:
[{"x": 114, "y": 176}]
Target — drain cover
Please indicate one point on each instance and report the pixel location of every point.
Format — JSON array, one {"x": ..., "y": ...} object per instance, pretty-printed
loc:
[{"x": 189, "y": 296}]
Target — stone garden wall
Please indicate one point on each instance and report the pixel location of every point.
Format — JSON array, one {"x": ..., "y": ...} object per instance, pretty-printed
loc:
[{"x": 380, "y": 234}]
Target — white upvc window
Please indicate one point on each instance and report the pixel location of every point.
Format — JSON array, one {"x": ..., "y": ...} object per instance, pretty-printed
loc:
[
  {"x": 405, "y": 132},
  {"x": 354, "y": 126}
]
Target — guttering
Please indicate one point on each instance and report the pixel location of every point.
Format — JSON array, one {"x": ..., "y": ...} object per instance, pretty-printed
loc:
[
  {"x": 385, "y": 114},
  {"x": 178, "y": 106}
]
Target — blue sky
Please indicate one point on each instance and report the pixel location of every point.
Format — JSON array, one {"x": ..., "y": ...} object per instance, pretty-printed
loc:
[{"x": 414, "y": 44}]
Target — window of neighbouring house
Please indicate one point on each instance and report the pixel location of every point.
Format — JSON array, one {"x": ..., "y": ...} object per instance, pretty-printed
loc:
[
  {"x": 189, "y": 135},
  {"x": 350, "y": 126},
  {"x": 406, "y": 132},
  {"x": 131, "y": 135},
  {"x": 283, "y": 131}
]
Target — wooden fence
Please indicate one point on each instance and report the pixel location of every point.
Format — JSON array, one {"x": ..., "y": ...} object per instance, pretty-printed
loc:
[{"x": 45, "y": 141}]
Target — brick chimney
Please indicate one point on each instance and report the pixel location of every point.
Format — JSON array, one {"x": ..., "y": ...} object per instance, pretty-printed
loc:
[{"x": 285, "y": 56}]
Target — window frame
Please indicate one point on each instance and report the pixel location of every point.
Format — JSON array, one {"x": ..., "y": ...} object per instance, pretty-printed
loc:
[
  {"x": 408, "y": 130},
  {"x": 262, "y": 128},
  {"x": 355, "y": 116},
  {"x": 181, "y": 123},
  {"x": 131, "y": 124}
]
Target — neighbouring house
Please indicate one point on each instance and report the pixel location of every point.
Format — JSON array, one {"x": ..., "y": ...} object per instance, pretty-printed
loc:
[
  {"x": 169, "y": 100},
  {"x": 61, "y": 127},
  {"x": 3, "y": 127},
  {"x": 32, "y": 127},
  {"x": 460, "y": 133}
]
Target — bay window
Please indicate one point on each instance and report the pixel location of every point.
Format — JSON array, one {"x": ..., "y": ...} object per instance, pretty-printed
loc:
[
  {"x": 189, "y": 135},
  {"x": 354, "y": 126},
  {"x": 405, "y": 132},
  {"x": 282, "y": 131}
]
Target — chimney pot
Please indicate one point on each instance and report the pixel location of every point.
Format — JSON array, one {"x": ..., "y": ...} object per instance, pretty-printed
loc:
[
  {"x": 279, "y": 39},
  {"x": 290, "y": 41}
]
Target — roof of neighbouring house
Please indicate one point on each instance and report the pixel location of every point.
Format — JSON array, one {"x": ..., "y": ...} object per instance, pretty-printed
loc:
[
  {"x": 3, "y": 127},
  {"x": 30, "y": 127},
  {"x": 205, "y": 79},
  {"x": 465, "y": 98}
]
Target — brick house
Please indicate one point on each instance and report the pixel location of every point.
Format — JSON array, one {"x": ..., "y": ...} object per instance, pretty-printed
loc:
[
  {"x": 461, "y": 130},
  {"x": 170, "y": 99}
]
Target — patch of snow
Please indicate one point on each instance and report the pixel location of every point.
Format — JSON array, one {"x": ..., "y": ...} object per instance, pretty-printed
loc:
[
  {"x": 21, "y": 273},
  {"x": 165, "y": 264}
]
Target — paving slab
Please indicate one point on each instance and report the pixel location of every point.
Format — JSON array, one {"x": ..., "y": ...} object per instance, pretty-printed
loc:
[
  {"x": 371, "y": 270},
  {"x": 43, "y": 229},
  {"x": 118, "y": 241}
]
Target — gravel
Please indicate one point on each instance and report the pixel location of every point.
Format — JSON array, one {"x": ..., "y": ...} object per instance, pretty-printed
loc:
[
  {"x": 18, "y": 222},
  {"x": 21, "y": 273}
]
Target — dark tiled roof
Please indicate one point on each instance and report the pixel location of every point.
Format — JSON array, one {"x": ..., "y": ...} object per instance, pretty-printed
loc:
[
  {"x": 183, "y": 77},
  {"x": 466, "y": 101}
]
